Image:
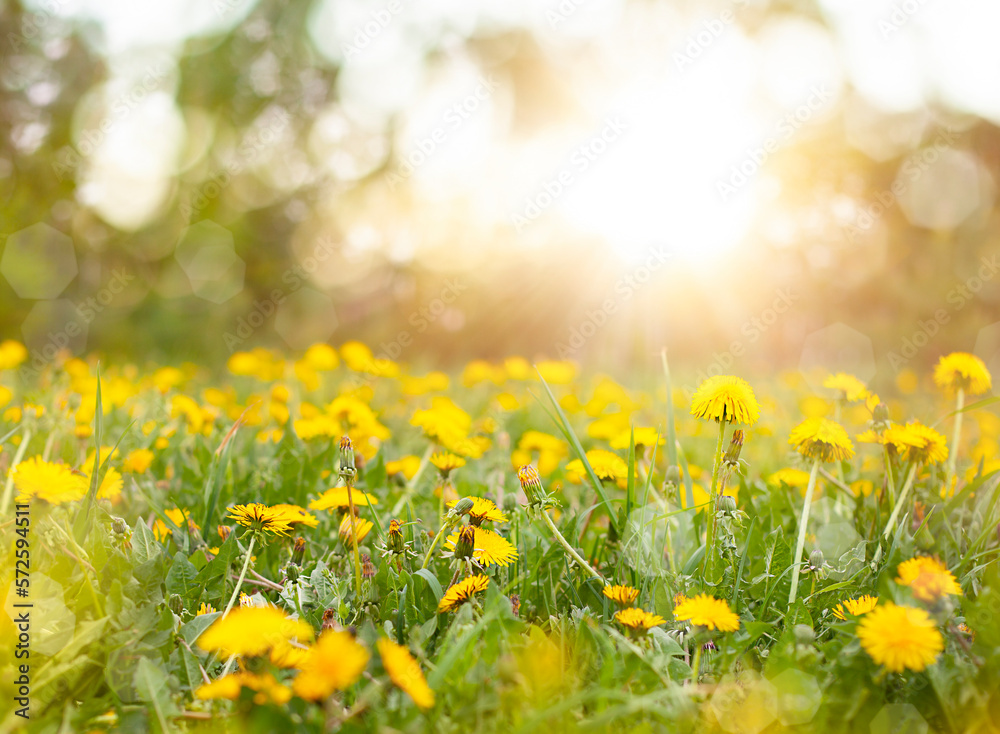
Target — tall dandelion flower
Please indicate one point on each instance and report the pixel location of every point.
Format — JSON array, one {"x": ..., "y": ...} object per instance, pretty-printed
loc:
[
  {"x": 53, "y": 483},
  {"x": 920, "y": 445},
  {"x": 405, "y": 672},
  {"x": 848, "y": 387},
  {"x": 821, "y": 440},
  {"x": 962, "y": 374},
  {"x": 707, "y": 611},
  {"x": 928, "y": 579},
  {"x": 483, "y": 510},
  {"x": 484, "y": 546},
  {"x": 858, "y": 607},
  {"x": 638, "y": 620},
  {"x": 463, "y": 591},
  {"x": 900, "y": 638},
  {"x": 623, "y": 595},
  {"x": 260, "y": 520},
  {"x": 334, "y": 663},
  {"x": 725, "y": 399}
]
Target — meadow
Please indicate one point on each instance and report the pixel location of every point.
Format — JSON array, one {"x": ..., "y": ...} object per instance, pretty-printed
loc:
[{"x": 327, "y": 541}]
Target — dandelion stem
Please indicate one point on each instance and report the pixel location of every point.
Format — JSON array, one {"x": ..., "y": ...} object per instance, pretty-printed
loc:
[
  {"x": 569, "y": 549},
  {"x": 354, "y": 539},
  {"x": 888, "y": 474},
  {"x": 427, "y": 559},
  {"x": 899, "y": 503},
  {"x": 953, "y": 456},
  {"x": 803, "y": 523},
  {"x": 696, "y": 663},
  {"x": 8, "y": 489},
  {"x": 239, "y": 581},
  {"x": 709, "y": 567}
]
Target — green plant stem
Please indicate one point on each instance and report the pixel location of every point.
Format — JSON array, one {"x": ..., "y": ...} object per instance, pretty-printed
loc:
[
  {"x": 801, "y": 542},
  {"x": 570, "y": 550},
  {"x": 696, "y": 662},
  {"x": 888, "y": 474},
  {"x": 8, "y": 489},
  {"x": 239, "y": 581},
  {"x": 902, "y": 499},
  {"x": 836, "y": 418},
  {"x": 427, "y": 559},
  {"x": 354, "y": 540},
  {"x": 956, "y": 437},
  {"x": 709, "y": 567}
]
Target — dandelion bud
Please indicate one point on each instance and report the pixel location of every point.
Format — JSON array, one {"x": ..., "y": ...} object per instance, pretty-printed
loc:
[
  {"x": 224, "y": 531},
  {"x": 329, "y": 619},
  {"x": 673, "y": 475},
  {"x": 346, "y": 455},
  {"x": 394, "y": 538},
  {"x": 515, "y": 604},
  {"x": 119, "y": 526},
  {"x": 466, "y": 543},
  {"x": 880, "y": 417},
  {"x": 816, "y": 559},
  {"x": 367, "y": 567},
  {"x": 531, "y": 483},
  {"x": 804, "y": 634},
  {"x": 175, "y": 603},
  {"x": 727, "y": 503},
  {"x": 463, "y": 506},
  {"x": 299, "y": 551},
  {"x": 292, "y": 571},
  {"x": 735, "y": 446}
]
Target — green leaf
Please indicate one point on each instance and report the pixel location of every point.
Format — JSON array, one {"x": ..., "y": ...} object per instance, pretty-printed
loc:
[
  {"x": 191, "y": 631},
  {"x": 181, "y": 578},
  {"x": 567, "y": 430},
  {"x": 145, "y": 547},
  {"x": 431, "y": 579},
  {"x": 153, "y": 687}
]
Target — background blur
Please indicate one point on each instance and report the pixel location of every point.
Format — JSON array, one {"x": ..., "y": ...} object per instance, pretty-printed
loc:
[{"x": 749, "y": 183}]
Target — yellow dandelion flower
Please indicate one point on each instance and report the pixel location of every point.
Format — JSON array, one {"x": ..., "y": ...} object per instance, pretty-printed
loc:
[
  {"x": 47, "y": 481},
  {"x": 205, "y": 609},
  {"x": 644, "y": 436},
  {"x": 111, "y": 483},
  {"x": 261, "y": 518},
  {"x": 557, "y": 372},
  {"x": 335, "y": 498},
  {"x": 483, "y": 510},
  {"x": 405, "y": 672},
  {"x": 489, "y": 548},
  {"x": 859, "y": 606},
  {"x": 406, "y": 465},
  {"x": 707, "y": 611},
  {"x": 177, "y": 516},
  {"x": 295, "y": 515},
  {"x": 138, "y": 461},
  {"x": 928, "y": 579},
  {"x": 12, "y": 353},
  {"x": 461, "y": 592},
  {"x": 725, "y": 398},
  {"x": 252, "y": 631},
  {"x": 361, "y": 528},
  {"x": 607, "y": 466},
  {"x": 446, "y": 462},
  {"x": 849, "y": 387},
  {"x": 796, "y": 478},
  {"x": 229, "y": 686},
  {"x": 638, "y": 619},
  {"x": 962, "y": 371},
  {"x": 335, "y": 662},
  {"x": 917, "y": 442},
  {"x": 819, "y": 438},
  {"x": 900, "y": 638},
  {"x": 285, "y": 655},
  {"x": 624, "y": 595}
]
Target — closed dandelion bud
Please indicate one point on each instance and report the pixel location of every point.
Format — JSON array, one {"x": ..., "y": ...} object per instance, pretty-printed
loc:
[
  {"x": 816, "y": 559},
  {"x": 727, "y": 503},
  {"x": 804, "y": 634},
  {"x": 673, "y": 475},
  {"x": 292, "y": 572},
  {"x": 394, "y": 538},
  {"x": 735, "y": 446},
  {"x": 463, "y": 506},
  {"x": 466, "y": 543},
  {"x": 531, "y": 483},
  {"x": 119, "y": 526},
  {"x": 880, "y": 417},
  {"x": 176, "y": 604},
  {"x": 367, "y": 567},
  {"x": 515, "y": 604},
  {"x": 299, "y": 551},
  {"x": 346, "y": 455}
]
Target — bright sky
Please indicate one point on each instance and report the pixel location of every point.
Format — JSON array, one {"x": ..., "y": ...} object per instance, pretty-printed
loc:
[{"x": 656, "y": 118}]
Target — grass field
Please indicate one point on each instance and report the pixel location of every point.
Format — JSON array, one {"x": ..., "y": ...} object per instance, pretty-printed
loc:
[{"x": 325, "y": 542}]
